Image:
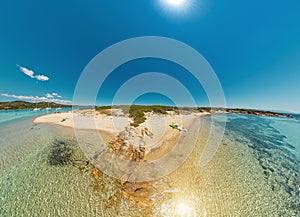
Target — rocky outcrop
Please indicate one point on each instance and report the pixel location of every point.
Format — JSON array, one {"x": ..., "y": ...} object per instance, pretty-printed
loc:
[{"x": 130, "y": 143}]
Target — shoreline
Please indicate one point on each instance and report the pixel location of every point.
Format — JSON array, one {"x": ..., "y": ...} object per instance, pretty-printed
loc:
[
  {"x": 220, "y": 188},
  {"x": 92, "y": 120},
  {"x": 158, "y": 138}
]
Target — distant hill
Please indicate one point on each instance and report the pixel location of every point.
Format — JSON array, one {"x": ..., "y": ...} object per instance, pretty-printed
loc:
[
  {"x": 259, "y": 112},
  {"x": 18, "y": 105}
]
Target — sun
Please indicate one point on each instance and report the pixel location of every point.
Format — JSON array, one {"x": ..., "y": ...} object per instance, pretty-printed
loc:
[
  {"x": 179, "y": 6},
  {"x": 176, "y": 2}
]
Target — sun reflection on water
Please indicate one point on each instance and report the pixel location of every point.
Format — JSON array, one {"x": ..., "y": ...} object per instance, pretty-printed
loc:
[
  {"x": 178, "y": 208},
  {"x": 184, "y": 209}
]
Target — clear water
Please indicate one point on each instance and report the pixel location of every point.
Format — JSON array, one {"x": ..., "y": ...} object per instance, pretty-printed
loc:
[
  {"x": 275, "y": 145},
  {"x": 17, "y": 115},
  {"x": 255, "y": 172}
]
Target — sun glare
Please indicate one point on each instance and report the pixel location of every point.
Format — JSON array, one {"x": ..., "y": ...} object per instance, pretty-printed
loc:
[
  {"x": 176, "y": 2},
  {"x": 183, "y": 209},
  {"x": 178, "y": 6}
]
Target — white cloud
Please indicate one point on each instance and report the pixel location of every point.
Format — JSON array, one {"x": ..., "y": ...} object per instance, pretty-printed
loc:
[
  {"x": 27, "y": 72},
  {"x": 36, "y": 98},
  {"x": 56, "y": 95},
  {"x": 42, "y": 77},
  {"x": 30, "y": 73},
  {"x": 52, "y": 96},
  {"x": 43, "y": 98},
  {"x": 32, "y": 98},
  {"x": 61, "y": 101},
  {"x": 49, "y": 96}
]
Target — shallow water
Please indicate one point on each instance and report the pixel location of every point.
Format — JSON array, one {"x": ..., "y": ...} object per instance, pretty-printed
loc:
[
  {"x": 13, "y": 116},
  {"x": 255, "y": 172}
]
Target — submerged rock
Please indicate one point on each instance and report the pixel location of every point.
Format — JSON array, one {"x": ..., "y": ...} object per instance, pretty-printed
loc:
[
  {"x": 61, "y": 152},
  {"x": 139, "y": 193}
]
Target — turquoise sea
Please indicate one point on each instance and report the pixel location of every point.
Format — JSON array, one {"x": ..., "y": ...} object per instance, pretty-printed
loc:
[
  {"x": 10, "y": 116},
  {"x": 255, "y": 172}
]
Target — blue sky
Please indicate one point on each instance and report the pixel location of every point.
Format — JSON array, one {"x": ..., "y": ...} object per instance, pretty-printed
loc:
[{"x": 253, "y": 46}]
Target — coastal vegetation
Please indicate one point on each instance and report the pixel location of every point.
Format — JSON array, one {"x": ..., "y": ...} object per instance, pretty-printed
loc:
[{"x": 137, "y": 112}]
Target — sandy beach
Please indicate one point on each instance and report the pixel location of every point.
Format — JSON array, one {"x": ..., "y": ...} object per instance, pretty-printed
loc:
[{"x": 158, "y": 125}]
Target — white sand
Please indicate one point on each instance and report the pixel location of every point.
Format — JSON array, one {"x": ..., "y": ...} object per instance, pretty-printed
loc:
[
  {"x": 93, "y": 120},
  {"x": 85, "y": 120}
]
